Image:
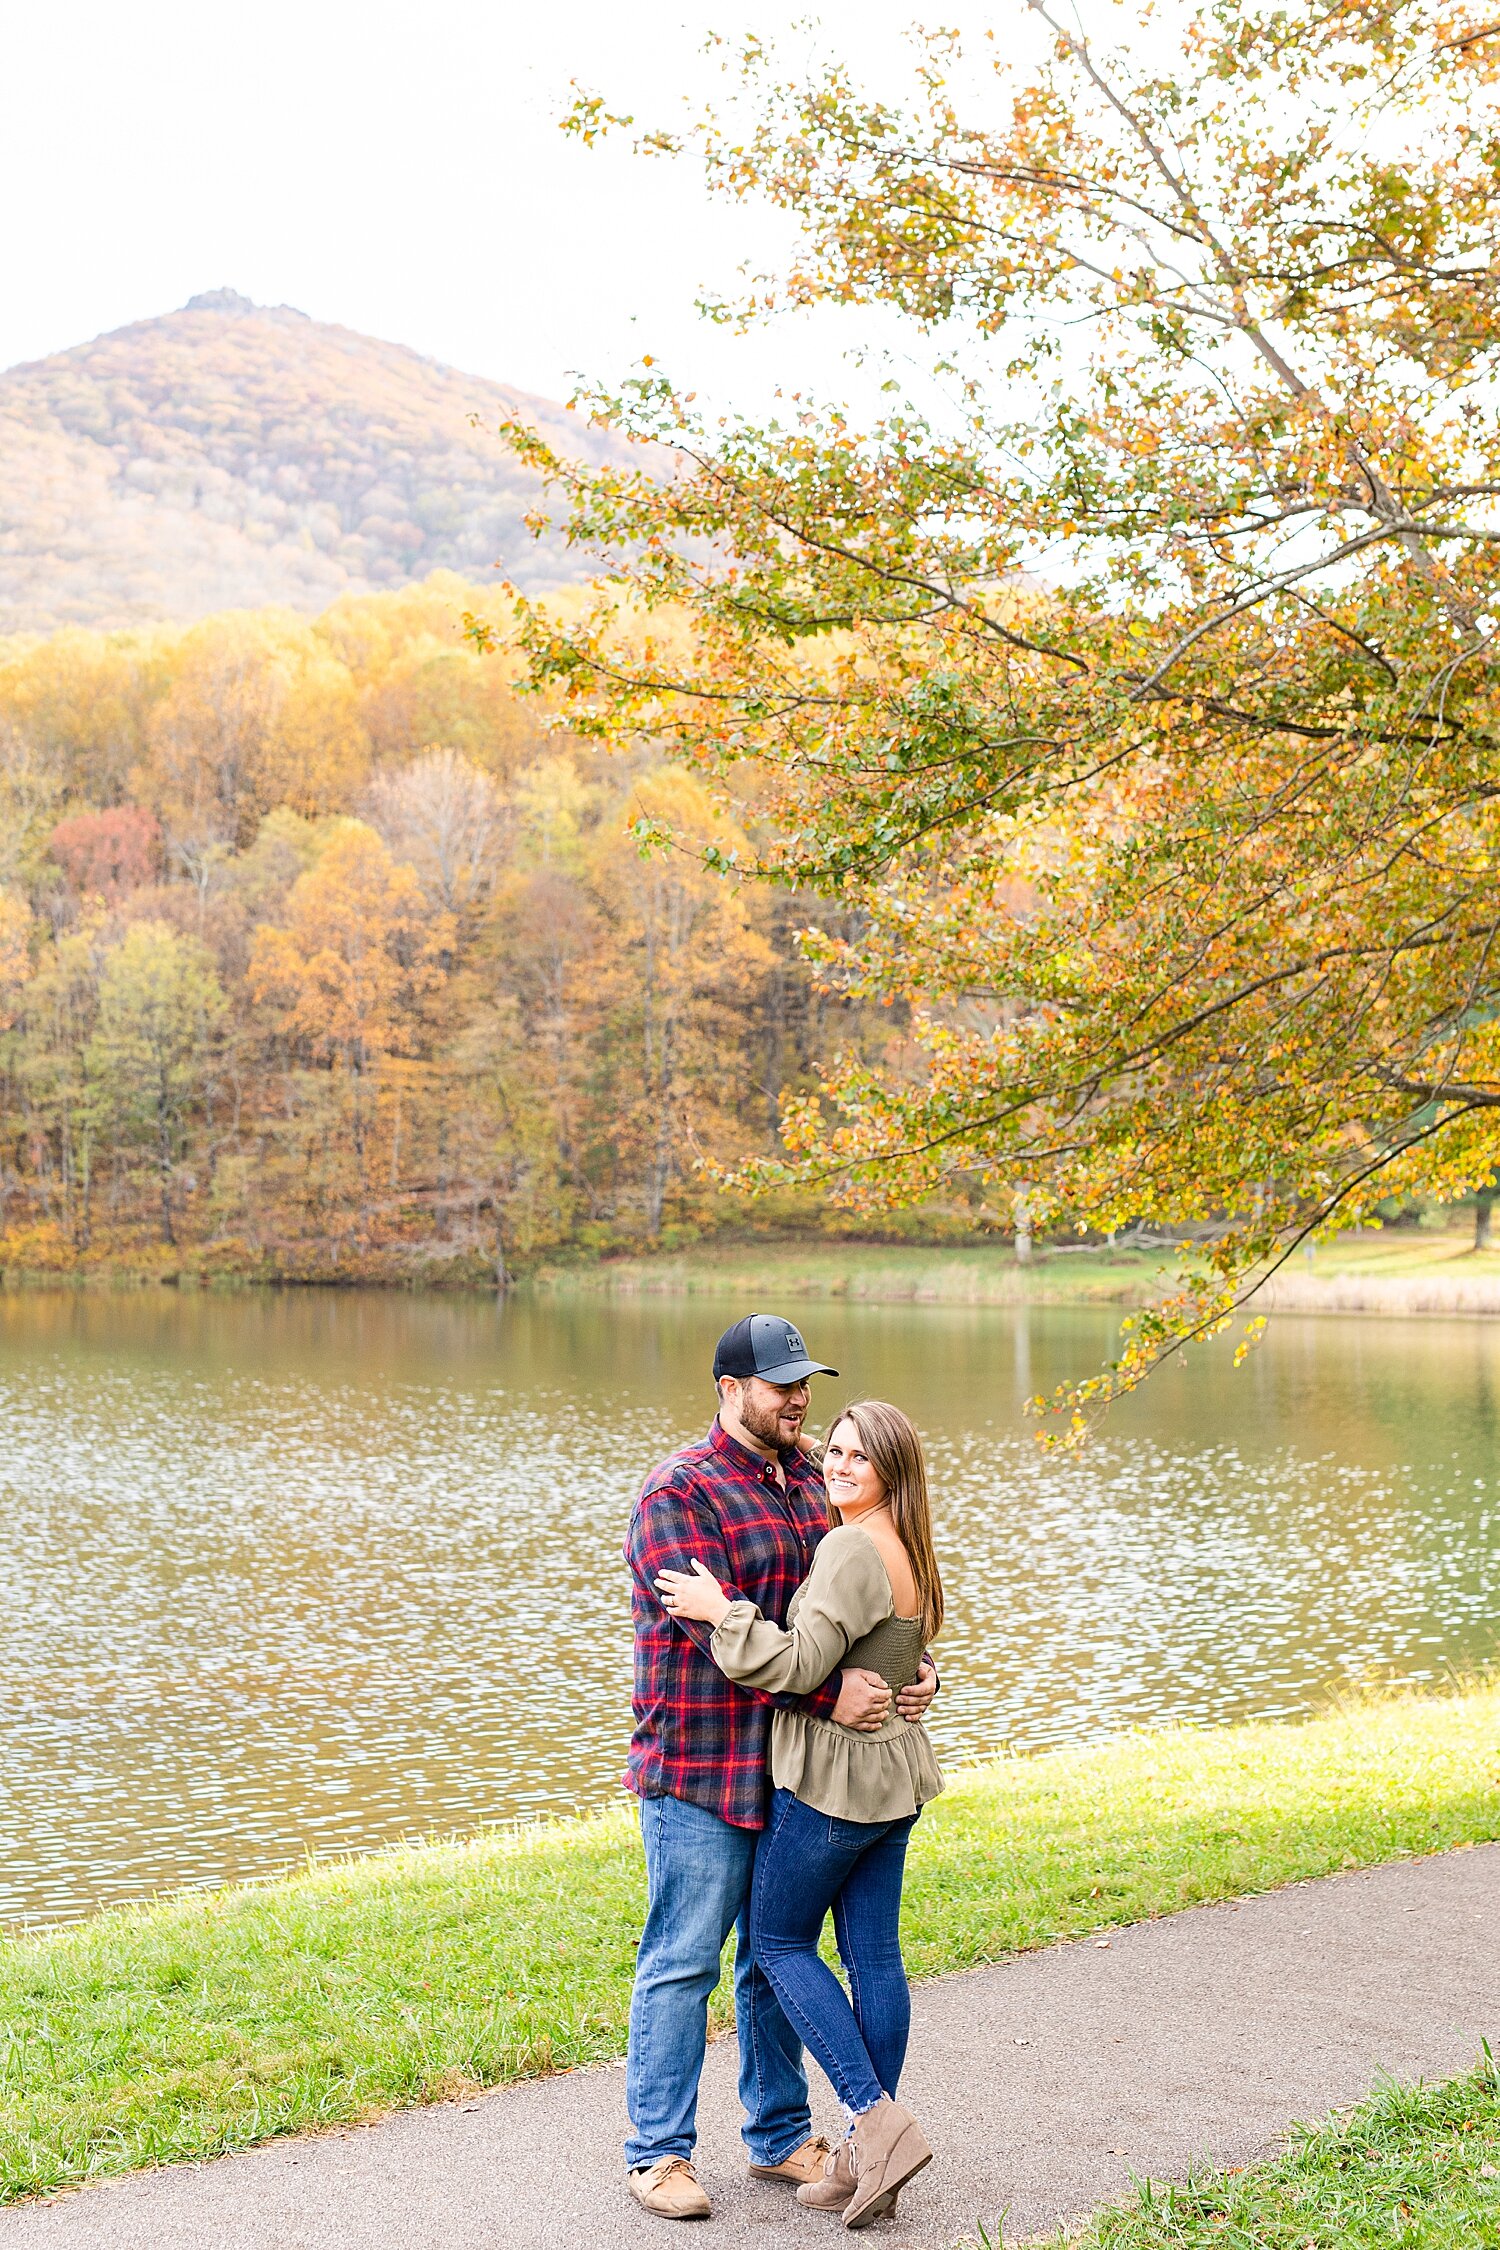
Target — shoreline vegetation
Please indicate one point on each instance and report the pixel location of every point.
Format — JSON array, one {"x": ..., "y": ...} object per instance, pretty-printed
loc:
[
  {"x": 1400, "y": 1271},
  {"x": 211, "y": 2020}
]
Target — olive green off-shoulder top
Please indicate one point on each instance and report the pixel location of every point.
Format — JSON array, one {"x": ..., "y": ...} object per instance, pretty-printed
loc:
[{"x": 844, "y": 1613}]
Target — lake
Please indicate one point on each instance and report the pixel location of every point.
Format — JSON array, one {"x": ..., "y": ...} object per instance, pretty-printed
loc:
[{"x": 312, "y": 1572}]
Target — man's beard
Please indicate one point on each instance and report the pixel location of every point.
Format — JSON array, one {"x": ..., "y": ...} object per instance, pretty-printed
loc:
[{"x": 763, "y": 1422}]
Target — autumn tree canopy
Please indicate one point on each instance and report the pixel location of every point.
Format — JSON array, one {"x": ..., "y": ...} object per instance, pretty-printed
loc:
[
  {"x": 323, "y": 955},
  {"x": 1136, "y": 682}
]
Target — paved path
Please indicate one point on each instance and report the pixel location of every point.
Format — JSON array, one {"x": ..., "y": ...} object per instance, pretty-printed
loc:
[{"x": 1043, "y": 2085}]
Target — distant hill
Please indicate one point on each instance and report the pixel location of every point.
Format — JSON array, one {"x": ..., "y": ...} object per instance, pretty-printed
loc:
[{"x": 234, "y": 454}]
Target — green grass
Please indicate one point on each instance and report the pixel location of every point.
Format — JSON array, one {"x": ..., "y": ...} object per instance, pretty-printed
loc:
[
  {"x": 1402, "y": 1270},
  {"x": 212, "y": 2020},
  {"x": 1413, "y": 2168},
  {"x": 983, "y": 1273}
]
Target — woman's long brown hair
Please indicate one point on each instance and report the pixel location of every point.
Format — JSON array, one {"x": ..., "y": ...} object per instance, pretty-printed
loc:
[{"x": 894, "y": 1451}]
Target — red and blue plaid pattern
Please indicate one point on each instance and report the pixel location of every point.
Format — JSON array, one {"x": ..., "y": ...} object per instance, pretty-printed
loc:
[{"x": 698, "y": 1736}]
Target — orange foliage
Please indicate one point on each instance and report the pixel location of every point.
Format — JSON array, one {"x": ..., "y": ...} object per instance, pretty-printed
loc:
[
  {"x": 455, "y": 1017},
  {"x": 358, "y": 953}
]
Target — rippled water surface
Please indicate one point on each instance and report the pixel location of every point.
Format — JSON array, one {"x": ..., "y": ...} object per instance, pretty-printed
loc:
[{"x": 308, "y": 1573}]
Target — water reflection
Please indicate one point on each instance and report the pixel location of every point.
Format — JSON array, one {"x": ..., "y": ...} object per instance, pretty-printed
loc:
[{"x": 312, "y": 1572}]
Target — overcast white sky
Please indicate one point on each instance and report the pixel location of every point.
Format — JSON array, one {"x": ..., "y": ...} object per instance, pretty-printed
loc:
[{"x": 397, "y": 167}]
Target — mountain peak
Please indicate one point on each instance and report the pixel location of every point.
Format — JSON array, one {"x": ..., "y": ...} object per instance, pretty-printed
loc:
[
  {"x": 220, "y": 300},
  {"x": 183, "y": 465},
  {"x": 239, "y": 307}
]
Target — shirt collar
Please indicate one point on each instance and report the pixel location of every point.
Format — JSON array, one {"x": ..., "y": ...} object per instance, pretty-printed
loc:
[{"x": 745, "y": 1457}]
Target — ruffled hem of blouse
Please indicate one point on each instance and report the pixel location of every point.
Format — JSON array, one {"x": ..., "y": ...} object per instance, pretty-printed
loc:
[{"x": 865, "y": 1777}]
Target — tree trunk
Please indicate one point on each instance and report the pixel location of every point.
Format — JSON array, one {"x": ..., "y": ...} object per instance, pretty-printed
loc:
[
  {"x": 85, "y": 1196},
  {"x": 656, "y": 1074},
  {"x": 1484, "y": 1203},
  {"x": 660, "y": 1172},
  {"x": 165, "y": 1159},
  {"x": 1023, "y": 1229}
]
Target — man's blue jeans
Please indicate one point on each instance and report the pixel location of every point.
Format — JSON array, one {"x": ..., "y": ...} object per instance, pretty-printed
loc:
[{"x": 698, "y": 1873}]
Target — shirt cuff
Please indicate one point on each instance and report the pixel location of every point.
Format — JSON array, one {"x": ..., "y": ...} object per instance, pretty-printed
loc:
[{"x": 818, "y": 1705}]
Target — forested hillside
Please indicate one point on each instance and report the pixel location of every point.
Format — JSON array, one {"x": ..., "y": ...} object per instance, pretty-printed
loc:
[
  {"x": 232, "y": 454},
  {"x": 320, "y": 956}
]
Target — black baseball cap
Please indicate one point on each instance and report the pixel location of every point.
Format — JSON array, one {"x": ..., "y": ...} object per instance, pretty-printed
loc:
[{"x": 764, "y": 1344}]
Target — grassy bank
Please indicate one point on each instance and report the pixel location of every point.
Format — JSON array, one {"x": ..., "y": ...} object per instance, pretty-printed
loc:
[
  {"x": 1406, "y": 1271},
  {"x": 214, "y": 2020},
  {"x": 1414, "y": 2168},
  {"x": 875, "y": 1273}
]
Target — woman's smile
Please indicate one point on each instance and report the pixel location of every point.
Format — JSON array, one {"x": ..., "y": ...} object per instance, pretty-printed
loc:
[{"x": 852, "y": 1481}]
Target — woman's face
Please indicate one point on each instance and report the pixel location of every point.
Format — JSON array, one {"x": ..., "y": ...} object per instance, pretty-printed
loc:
[{"x": 853, "y": 1486}]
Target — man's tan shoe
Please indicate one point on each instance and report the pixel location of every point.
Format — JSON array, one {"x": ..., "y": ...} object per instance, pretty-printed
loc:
[
  {"x": 887, "y": 2147},
  {"x": 669, "y": 2189},
  {"x": 803, "y": 2165},
  {"x": 836, "y": 2185}
]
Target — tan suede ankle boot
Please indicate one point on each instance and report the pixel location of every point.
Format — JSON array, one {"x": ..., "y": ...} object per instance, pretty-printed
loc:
[{"x": 887, "y": 2148}]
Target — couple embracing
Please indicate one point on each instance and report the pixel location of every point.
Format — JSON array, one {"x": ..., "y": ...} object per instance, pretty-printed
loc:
[{"x": 781, "y": 1677}]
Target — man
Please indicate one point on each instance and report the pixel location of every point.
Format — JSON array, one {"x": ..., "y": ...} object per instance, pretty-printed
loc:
[{"x": 749, "y": 1503}]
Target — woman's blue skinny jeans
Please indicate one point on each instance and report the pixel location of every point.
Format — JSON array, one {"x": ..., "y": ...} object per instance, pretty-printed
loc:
[{"x": 807, "y": 1862}]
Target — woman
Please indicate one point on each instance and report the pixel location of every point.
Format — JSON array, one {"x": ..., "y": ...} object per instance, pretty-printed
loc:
[{"x": 843, "y": 1804}]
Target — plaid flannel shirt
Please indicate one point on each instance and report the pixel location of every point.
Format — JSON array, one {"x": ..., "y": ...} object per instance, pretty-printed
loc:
[{"x": 697, "y": 1735}]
